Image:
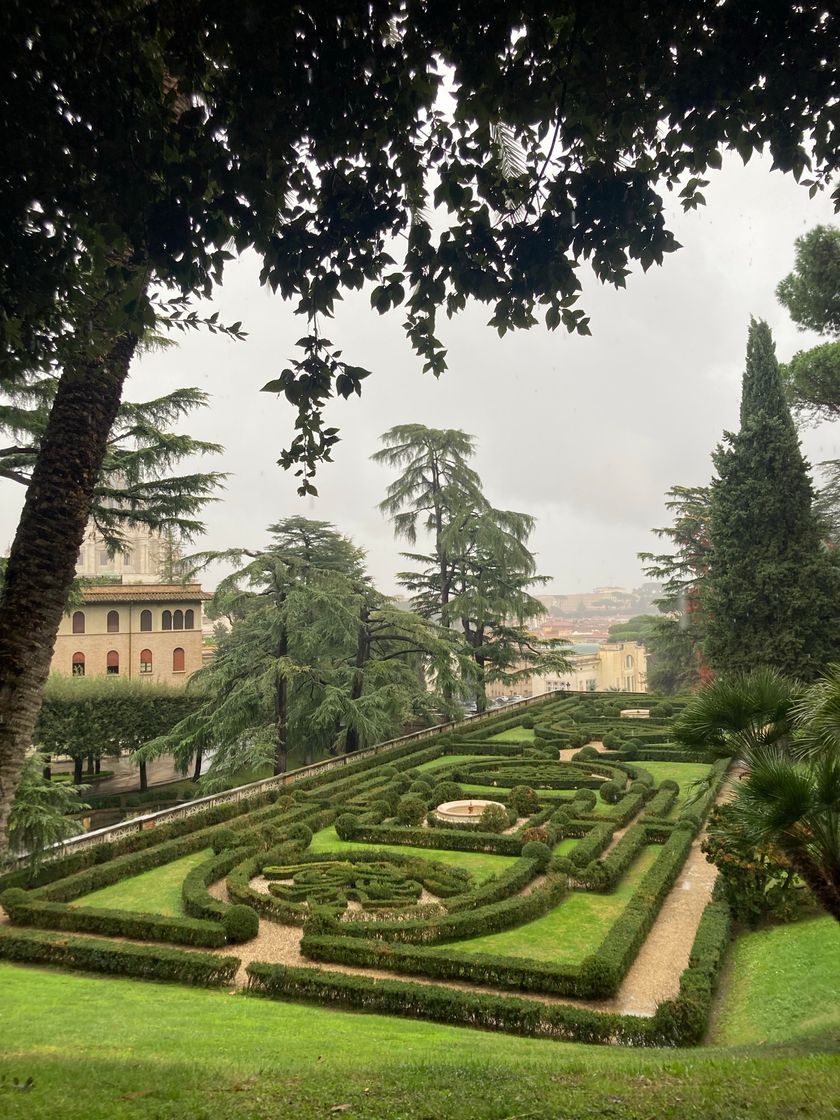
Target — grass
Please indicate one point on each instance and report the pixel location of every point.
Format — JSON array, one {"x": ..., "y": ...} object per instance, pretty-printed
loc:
[
  {"x": 480, "y": 864},
  {"x": 780, "y": 983},
  {"x": 683, "y": 773},
  {"x": 513, "y": 735},
  {"x": 115, "y": 1049},
  {"x": 153, "y": 892},
  {"x": 572, "y": 930}
]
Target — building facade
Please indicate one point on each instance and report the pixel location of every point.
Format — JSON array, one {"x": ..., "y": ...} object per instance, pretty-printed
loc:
[
  {"x": 146, "y": 632},
  {"x": 147, "y": 556},
  {"x": 616, "y": 666}
]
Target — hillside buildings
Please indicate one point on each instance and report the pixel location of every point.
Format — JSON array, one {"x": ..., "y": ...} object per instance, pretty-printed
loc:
[{"x": 615, "y": 666}]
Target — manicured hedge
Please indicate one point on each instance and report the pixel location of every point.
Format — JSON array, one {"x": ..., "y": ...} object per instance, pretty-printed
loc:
[
  {"x": 23, "y": 910},
  {"x": 490, "y": 918},
  {"x": 449, "y": 839},
  {"x": 604, "y": 875},
  {"x": 116, "y": 958}
]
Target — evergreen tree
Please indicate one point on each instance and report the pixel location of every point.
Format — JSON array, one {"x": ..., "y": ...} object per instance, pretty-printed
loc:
[{"x": 771, "y": 592}]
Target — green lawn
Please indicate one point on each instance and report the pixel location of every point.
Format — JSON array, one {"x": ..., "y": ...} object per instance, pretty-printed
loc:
[
  {"x": 513, "y": 735},
  {"x": 683, "y": 773},
  {"x": 572, "y": 930},
  {"x": 92, "y": 1048},
  {"x": 481, "y": 864},
  {"x": 780, "y": 983},
  {"x": 154, "y": 892}
]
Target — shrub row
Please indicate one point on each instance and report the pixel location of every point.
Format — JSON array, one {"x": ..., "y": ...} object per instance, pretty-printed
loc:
[
  {"x": 662, "y": 803},
  {"x": 490, "y": 918},
  {"x": 116, "y": 958},
  {"x": 196, "y": 899},
  {"x": 591, "y": 844},
  {"x": 444, "y": 838},
  {"x": 512, "y": 880},
  {"x": 606, "y": 968},
  {"x": 603, "y": 875},
  {"x": 24, "y": 911}
]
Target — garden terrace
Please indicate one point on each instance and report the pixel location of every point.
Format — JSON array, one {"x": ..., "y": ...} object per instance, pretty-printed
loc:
[{"x": 329, "y": 880}]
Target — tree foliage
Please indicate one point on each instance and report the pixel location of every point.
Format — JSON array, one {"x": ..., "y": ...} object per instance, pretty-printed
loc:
[
  {"x": 771, "y": 591},
  {"x": 315, "y": 658},
  {"x": 785, "y": 807},
  {"x": 479, "y": 571},
  {"x": 326, "y": 138},
  {"x": 137, "y": 485}
]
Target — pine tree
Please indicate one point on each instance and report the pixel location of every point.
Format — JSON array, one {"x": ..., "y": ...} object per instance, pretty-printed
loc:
[{"x": 771, "y": 592}]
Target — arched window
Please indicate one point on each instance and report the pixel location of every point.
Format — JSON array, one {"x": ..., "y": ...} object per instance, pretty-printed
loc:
[
  {"x": 177, "y": 660},
  {"x": 78, "y": 665},
  {"x": 189, "y": 620},
  {"x": 178, "y": 620},
  {"x": 113, "y": 623},
  {"x": 145, "y": 661},
  {"x": 78, "y": 622},
  {"x": 145, "y": 620},
  {"x": 628, "y": 662},
  {"x": 112, "y": 663},
  {"x": 166, "y": 620}
]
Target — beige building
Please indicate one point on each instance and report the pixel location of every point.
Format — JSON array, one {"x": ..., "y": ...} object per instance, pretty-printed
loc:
[
  {"x": 146, "y": 556},
  {"x": 618, "y": 666},
  {"x": 150, "y": 632}
]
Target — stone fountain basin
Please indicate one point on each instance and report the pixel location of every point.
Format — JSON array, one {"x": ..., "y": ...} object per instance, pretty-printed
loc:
[{"x": 464, "y": 812}]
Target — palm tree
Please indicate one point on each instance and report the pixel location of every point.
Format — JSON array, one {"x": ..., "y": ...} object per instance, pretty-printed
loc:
[{"x": 787, "y": 804}]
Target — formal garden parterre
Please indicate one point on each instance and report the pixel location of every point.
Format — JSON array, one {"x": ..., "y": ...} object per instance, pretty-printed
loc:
[{"x": 527, "y": 921}]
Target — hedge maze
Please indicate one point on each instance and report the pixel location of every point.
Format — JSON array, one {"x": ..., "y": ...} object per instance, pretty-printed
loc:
[{"x": 552, "y": 895}]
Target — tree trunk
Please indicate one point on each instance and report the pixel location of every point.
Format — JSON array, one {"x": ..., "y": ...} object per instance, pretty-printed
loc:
[
  {"x": 281, "y": 709},
  {"x": 47, "y": 771},
  {"x": 826, "y": 892},
  {"x": 90, "y": 764},
  {"x": 144, "y": 781},
  {"x": 351, "y": 739},
  {"x": 42, "y": 562},
  {"x": 77, "y": 770},
  {"x": 197, "y": 769},
  {"x": 97, "y": 765}
]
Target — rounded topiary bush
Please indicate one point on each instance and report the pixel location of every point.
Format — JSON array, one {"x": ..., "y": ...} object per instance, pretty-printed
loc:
[
  {"x": 669, "y": 783},
  {"x": 446, "y": 791},
  {"x": 421, "y": 788},
  {"x": 241, "y": 924},
  {"x": 300, "y": 832},
  {"x": 629, "y": 751},
  {"x": 12, "y": 897},
  {"x": 346, "y": 826},
  {"x": 524, "y": 800},
  {"x": 560, "y": 818},
  {"x": 379, "y": 810},
  {"x": 610, "y": 792},
  {"x": 411, "y": 809},
  {"x": 537, "y": 851},
  {"x": 493, "y": 819},
  {"x": 560, "y": 865},
  {"x": 224, "y": 838},
  {"x": 611, "y": 740},
  {"x": 528, "y": 722},
  {"x": 585, "y": 798},
  {"x": 538, "y": 834}
]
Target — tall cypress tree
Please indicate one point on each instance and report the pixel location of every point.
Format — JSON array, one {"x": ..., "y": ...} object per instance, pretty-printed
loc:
[{"x": 771, "y": 593}]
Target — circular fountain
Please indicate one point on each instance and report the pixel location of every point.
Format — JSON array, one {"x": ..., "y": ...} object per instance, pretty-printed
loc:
[{"x": 464, "y": 812}]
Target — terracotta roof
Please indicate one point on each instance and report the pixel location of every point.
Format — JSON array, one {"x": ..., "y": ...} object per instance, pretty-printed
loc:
[{"x": 144, "y": 593}]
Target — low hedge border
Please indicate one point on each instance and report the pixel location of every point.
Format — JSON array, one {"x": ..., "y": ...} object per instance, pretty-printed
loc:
[
  {"x": 24, "y": 911},
  {"x": 442, "y": 838},
  {"x": 116, "y": 958},
  {"x": 195, "y": 898},
  {"x": 603, "y": 875},
  {"x": 490, "y": 918}
]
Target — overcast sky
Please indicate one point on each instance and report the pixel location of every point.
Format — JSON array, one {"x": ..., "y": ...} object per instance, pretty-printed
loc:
[{"x": 586, "y": 434}]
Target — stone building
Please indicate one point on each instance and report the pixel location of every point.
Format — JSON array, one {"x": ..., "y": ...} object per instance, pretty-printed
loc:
[
  {"x": 142, "y": 631},
  {"x": 147, "y": 556},
  {"x": 618, "y": 666}
]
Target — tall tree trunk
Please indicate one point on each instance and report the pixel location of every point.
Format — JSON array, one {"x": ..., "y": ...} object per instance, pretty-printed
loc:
[
  {"x": 281, "y": 710},
  {"x": 42, "y": 562},
  {"x": 351, "y": 740},
  {"x": 77, "y": 770},
  {"x": 197, "y": 769},
  {"x": 144, "y": 778},
  {"x": 47, "y": 771}
]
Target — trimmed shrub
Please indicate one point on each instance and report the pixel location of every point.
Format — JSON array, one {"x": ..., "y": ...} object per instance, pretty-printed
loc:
[
  {"x": 524, "y": 800},
  {"x": 378, "y": 811},
  {"x": 537, "y": 835},
  {"x": 446, "y": 791},
  {"x": 241, "y": 923},
  {"x": 611, "y": 792},
  {"x": 585, "y": 797},
  {"x": 539, "y": 852},
  {"x": 411, "y": 810},
  {"x": 493, "y": 819},
  {"x": 421, "y": 788},
  {"x": 346, "y": 826},
  {"x": 148, "y": 962},
  {"x": 300, "y": 832}
]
